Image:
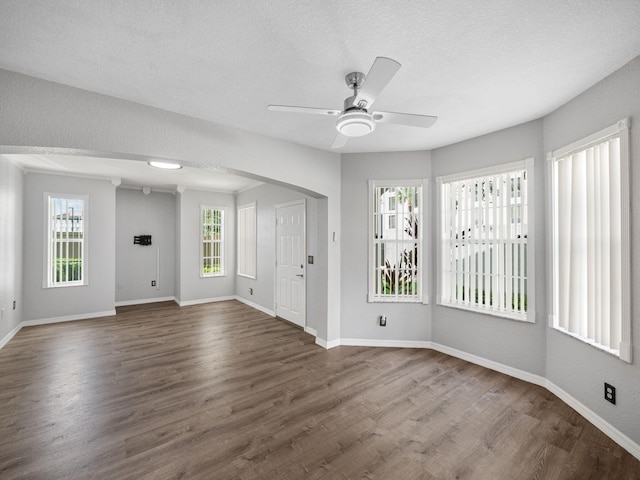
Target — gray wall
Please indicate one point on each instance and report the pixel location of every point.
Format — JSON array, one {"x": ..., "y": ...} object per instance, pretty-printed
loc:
[
  {"x": 37, "y": 113},
  {"x": 191, "y": 287},
  {"x": 266, "y": 197},
  {"x": 99, "y": 295},
  {"x": 405, "y": 321},
  {"x": 517, "y": 344},
  {"x": 577, "y": 368},
  {"x": 11, "y": 203},
  {"x": 139, "y": 214}
]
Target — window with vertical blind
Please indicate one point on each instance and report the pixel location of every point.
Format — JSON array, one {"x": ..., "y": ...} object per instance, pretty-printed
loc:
[
  {"x": 395, "y": 241},
  {"x": 589, "y": 241},
  {"x": 65, "y": 250},
  {"x": 211, "y": 241},
  {"x": 247, "y": 240},
  {"x": 485, "y": 254}
]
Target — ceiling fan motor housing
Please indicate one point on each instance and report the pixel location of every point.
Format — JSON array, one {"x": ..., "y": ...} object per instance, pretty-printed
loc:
[{"x": 355, "y": 123}]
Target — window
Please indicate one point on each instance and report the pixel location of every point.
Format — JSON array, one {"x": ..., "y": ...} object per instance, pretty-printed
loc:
[
  {"x": 212, "y": 241},
  {"x": 247, "y": 240},
  {"x": 485, "y": 254},
  {"x": 589, "y": 225},
  {"x": 66, "y": 226},
  {"x": 395, "y": 241}
]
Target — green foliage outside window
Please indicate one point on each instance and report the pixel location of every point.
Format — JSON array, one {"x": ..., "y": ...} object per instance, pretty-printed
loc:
[{"x": 68, "y": 269}]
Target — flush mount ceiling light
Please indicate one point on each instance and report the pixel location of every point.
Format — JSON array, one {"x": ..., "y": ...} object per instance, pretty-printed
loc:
[
  {"x": 355, "y": 123},
  {"x": 165, "y": 165}
]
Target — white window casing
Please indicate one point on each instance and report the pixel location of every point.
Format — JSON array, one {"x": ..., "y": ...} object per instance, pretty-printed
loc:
[
  {"x": 589, "y": 240},
  {"x": 247, "y": 240},
  {"x": 486, "y": 241},
  {"x": 212, "y": 241},
  {"x": 397, "y": 241},
  {"x": 66, "y": 223}
]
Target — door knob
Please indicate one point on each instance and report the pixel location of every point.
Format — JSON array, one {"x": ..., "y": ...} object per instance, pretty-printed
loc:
[{"x": 300, "y": 275}]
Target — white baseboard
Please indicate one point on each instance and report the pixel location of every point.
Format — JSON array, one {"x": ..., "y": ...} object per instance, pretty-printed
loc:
[
  {"x": 10, "y": 335},
  {"x": 616, "y": 435},
  {"x": 125, "y": 303},
  {"x": 367, "y": 342},
  {"x": 46, "y": 321},
  {"x": 490, "y": 364},
  {"x": 605, "y": 427},
  {"x": 68, "y": 318},
  {"x": 327, "y": 345},
  {"x": 199, "y": 301},
  {"x": 613, "y": 433},
  {"x": 271, "y": 313},
  {"x": 311, "y": 331}
]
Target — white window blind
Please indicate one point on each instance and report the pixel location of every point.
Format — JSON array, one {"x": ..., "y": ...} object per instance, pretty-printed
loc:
[
  {"x": 247, "y": 240},
  {"x": 485, "y": 258},
  {"x": 212, "y": 241},
  {"x": 591, "y": 241},
  {"x": 395, "y": 245},
  {"x": 66, "y": 231}
]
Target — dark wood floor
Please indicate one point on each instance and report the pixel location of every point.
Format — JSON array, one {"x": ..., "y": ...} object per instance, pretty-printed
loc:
[{"x": 222, "y": 391}]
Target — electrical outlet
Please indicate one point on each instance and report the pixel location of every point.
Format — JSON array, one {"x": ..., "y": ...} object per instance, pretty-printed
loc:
[
  {"x": 153, "y": 283},
  {"x": 14, "y": 304},
  {"x": 610, "y": 393},
  {"x": 382, "y": 320},
  {"x": 251, "y": 291}
]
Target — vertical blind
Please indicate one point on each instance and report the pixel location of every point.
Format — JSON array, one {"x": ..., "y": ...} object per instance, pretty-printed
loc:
[
  {"x": 588, "y": 262},
  {"x": 484, "y": 243}
]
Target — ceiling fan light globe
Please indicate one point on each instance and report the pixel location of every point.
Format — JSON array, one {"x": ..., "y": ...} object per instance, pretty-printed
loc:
[{"x": 355, "y": 124}]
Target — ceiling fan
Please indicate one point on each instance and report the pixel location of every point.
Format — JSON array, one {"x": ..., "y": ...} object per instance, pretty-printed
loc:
[{"x": 355, "y": 120}]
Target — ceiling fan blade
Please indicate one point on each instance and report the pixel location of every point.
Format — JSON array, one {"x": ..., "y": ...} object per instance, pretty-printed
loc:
[
  {"x": 380, "y": 74},
  {"x": 294, "y": 109},
  {"x": 339, "y": 141},
  {"x": 409, "y": 119}
]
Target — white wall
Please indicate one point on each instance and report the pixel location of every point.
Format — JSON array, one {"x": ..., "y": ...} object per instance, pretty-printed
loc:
[
  {"x": 98, "y": 297},
  {"x": 577, "y": 368},
  {"x": 11, "y": 203},
  {"x": 405, "y": 321},
  {"x": 39, "y": 114},
  {"x": 193, "y": 288},
  {"x": 136, "y": 265},
  {"x": 266, "y": 197},
  {"x": 516, "y": 344}
]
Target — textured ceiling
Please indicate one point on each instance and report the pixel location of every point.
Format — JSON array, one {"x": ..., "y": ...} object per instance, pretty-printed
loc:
[{"x": 478, "y": 66}]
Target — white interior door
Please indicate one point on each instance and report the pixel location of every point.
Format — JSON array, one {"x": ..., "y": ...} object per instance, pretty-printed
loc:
[{"x": 290, "y": 262}]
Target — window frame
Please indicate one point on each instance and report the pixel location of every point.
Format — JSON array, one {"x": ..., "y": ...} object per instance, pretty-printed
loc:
[
  {"x": 222, "y": 241},
  {"x": 526, "y": 164},
  {"x": 47, "y": 279},
  {"x": 422, "y": 240},
  {"x": 245, "y": 244},
  {"x": 620, "y": 129}
]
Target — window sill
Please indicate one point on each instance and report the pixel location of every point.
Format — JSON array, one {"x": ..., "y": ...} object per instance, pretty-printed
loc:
[
  {"x": 506, "y": 315},
  {"x": 67, "y": 285},
  {"x": 244, "y": 275},
  {"x": 591, "y": 343},
  {"x": 372, "y": 299},
  {"x": 213, "y": 275}
]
